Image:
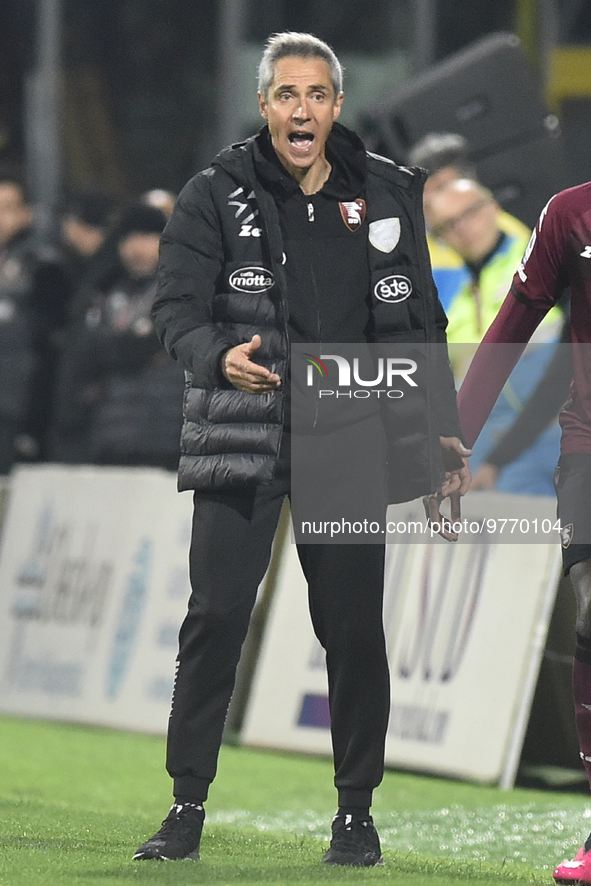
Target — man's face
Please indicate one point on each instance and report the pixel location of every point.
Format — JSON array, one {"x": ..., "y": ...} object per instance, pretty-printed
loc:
[
  {"x": 466, "y": 218},
  {"x": 14, "y": 212},
  {"x": 139, "y": 253},
  {"x": 300, "y": 109}
]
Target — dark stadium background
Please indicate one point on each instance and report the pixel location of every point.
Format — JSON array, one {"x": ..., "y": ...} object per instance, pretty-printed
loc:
[{"x": 150, "y": 89}]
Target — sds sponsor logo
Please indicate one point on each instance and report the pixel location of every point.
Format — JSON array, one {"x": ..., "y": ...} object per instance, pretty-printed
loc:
[
  {"x": 252, "y": 280},
  {"x": 393, "y": 289}
]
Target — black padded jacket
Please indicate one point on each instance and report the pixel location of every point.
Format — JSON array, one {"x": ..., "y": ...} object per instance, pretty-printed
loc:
[{"x": 221, "y": 280}]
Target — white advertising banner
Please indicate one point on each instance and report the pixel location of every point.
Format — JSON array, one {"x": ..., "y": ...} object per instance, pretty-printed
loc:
[
  {"x": 93, "y": 588},
  {"x": 465, "y": 624}
]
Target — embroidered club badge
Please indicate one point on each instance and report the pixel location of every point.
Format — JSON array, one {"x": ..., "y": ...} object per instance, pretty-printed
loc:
[
  {"x": 566, "y": 534},
  {"x": 353, "y": 213}
]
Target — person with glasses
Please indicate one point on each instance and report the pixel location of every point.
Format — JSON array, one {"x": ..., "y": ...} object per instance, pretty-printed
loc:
[
  {"x": 464, "y": 214},
  {"x": 447, "y": 156}
]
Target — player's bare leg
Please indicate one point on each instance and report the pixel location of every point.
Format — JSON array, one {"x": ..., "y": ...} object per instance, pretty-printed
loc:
[{"x": 579, "y": 869}]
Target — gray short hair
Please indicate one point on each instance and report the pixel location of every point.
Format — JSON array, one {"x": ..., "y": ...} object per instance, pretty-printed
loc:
[
  {"x": 290, "y": 43},
  {"x": 436, "y": 150}
]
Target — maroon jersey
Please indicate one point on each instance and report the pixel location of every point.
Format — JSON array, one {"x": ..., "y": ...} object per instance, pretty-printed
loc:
[{"x": 558, "y": 255}]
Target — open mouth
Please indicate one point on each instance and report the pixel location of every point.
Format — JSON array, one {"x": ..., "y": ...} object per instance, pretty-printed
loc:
[{"x": 301, "y": 139}]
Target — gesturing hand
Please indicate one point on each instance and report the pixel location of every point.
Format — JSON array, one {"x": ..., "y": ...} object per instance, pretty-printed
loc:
[{"x": 246, "y": 375}]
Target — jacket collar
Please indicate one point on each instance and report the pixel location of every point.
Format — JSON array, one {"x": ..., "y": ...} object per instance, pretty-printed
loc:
[{"x": 344, "y": 150}]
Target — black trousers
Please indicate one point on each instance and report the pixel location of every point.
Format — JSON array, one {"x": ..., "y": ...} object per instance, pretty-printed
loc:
[{"x": 230, "y": 550}]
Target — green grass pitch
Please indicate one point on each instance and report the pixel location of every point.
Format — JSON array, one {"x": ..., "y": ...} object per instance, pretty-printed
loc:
[{"x": 75, "y": 803}]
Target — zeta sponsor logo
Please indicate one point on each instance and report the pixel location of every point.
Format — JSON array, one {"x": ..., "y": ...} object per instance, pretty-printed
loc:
[
  {"x": 252, "y": 280},
  {"x": 393, "y": 289},
  {"x": 389, "y": 372},
  {"x": 250, "y": 231},
  {"x": 245, "y": 203}
]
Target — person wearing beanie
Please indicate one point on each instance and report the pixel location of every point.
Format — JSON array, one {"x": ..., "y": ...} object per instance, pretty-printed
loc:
[
  {"x": 85, "y": 223},
  {"x": 89, "y": 215},
  {"x": 141, "y": 218},
  {"x": 120, "y": 396}
]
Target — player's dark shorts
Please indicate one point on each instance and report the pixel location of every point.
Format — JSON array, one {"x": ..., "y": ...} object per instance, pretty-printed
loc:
[{"x": 573, "y": 489}]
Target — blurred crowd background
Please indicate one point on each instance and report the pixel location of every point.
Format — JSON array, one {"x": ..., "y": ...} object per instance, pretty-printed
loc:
[{"x": 150, "y": 89}]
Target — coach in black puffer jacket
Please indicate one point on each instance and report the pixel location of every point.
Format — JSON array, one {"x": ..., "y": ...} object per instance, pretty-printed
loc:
[
  {"x": 223, "y": 278},
  {"x": 296, "y": 237}
]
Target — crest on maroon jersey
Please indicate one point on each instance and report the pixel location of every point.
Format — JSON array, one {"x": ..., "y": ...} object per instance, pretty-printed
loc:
[{"x": 566, "y": 534}]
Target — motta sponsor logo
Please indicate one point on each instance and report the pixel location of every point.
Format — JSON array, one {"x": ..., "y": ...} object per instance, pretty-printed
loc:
[
  {"x": 393, "y": 289},
  {"x": 389, "y": 371},
  {"x": 252, "y": 280}
]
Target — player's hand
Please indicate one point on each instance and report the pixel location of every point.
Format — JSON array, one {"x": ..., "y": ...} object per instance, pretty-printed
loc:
[
  {"x": 246, "y": 375},
  {"x": 436, "y": 520},
  {"x": 455, "y": 484},
  {"x": 455, "y": 463},
  {"x": 485, "y": 477}
]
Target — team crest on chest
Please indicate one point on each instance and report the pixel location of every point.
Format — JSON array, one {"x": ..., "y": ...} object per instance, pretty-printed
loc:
[{"x": 353, "y": 213}]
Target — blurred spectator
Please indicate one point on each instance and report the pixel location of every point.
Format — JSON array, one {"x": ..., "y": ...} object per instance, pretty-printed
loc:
[
  {"x": 88, "y": 218},
  {"x": 106, "y": 259},
  {"x": 447, "y": 156},
  {"x": 33, "y": 296},
  {"x": 120, "y": 395},
  {"x": 161, "y": 199},
  {"x": 465, "y": 216}
]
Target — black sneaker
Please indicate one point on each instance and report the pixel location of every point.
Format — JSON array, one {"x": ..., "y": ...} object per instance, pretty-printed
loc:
[
  {"x": 354, "y": 842},
  {"x": 179, "y": 836}
]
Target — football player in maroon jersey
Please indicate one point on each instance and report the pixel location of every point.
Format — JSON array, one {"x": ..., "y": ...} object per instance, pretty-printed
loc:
[{"x": 558, "y": 257}]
